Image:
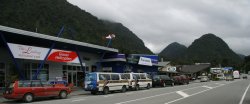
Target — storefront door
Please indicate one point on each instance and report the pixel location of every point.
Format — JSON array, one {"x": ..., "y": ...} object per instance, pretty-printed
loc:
[{"x": 72, "y": 78}]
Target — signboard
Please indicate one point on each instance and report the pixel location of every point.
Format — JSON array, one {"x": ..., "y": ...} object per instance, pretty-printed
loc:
[
  {"x": 145, "y": 61},
  {"x": 63, "y": 56},
  {"x": 28, "y": 52},
  {"x": 39, "y": 53}
]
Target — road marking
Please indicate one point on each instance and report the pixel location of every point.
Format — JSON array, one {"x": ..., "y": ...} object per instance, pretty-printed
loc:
[
  {"x": 129, "y": 93},
  {"x": 156, "y": 95},
  {"x": 183, "y": 94},
  {"x": 78, "y": 100},
  {"x": 108, "y": 95},
  {"x": 198, "y": 92},
  {"x": 208, "y": 87},
  {"x": 145, "y": 98},
  {"x": 243, "y": 96}
]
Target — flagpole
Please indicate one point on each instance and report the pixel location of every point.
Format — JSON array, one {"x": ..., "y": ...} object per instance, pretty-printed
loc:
[{"x": 109, "y": 43}]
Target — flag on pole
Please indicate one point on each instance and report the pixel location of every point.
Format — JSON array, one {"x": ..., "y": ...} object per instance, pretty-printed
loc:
[{"x": 110, "y": 36}]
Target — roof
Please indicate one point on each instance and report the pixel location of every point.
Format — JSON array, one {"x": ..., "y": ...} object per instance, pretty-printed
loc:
[
  {"x": 194, "y": 68},
  {"x": 42, "y": 37}
]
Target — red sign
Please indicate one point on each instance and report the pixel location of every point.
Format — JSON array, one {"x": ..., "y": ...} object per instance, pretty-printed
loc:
[{"x": 63, "y": 56}]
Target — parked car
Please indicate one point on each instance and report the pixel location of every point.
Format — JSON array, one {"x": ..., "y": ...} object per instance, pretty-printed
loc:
[
  {"x": 204, "y": 78},
  {"x": 28, "y": 90},
  {"x": 229, "y": 78},
  {"x": 182, "y": 79},
  {"x": 162, "y": 80},
  {"x": 244, "y": 77}
]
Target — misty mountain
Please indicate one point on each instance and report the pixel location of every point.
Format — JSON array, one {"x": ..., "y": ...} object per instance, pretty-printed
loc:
[{"x": 48, "y": 16}]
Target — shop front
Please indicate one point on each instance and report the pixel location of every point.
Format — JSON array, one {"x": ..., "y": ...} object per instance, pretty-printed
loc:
[{"x": 30, "y": 56}]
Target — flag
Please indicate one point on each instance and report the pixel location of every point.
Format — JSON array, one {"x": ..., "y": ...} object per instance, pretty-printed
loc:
[{"x": 110, "y": 36}]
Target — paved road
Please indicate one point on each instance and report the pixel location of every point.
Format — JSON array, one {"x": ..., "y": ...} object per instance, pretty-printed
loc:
[{"x": 214, "y": 92}]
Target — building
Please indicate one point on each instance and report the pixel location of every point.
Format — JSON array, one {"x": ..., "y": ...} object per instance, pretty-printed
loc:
[
  {"x": 23, "y": 56},
  {"x": 167, "y": 69},
  {"x": 195, "y": 70}
]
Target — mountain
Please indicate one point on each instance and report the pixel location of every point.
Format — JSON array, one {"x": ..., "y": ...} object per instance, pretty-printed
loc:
[
  {"x": 242, "y": 56},
  {"x": 210, "y": 48},
  {"x": 173, "y": 51},
  {"x": 48, "y": 16}
]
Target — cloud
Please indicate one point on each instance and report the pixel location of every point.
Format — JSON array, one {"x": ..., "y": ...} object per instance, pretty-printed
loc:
[{"x": 161, "y": 22}]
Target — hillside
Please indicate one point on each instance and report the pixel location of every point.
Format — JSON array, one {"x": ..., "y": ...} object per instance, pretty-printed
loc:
[
  {"x": 48, "y": 16},
  {"x": 173, "y": 51},
  {"x": 210, "y": 48}
]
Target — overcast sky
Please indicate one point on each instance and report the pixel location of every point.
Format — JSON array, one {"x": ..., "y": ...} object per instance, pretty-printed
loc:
[{"x": 161, "y": 22}]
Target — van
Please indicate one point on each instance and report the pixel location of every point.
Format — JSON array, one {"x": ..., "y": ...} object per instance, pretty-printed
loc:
[
  {"x": 105, "y": 82},
  {"x": 138, "y": 80}
]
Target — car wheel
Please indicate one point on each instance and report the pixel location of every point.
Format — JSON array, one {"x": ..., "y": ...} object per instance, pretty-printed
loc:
[
  {"x": 93, "y": 92},
  {"x": 148, "y": 86},
  {"x": 105, "y": 90},
  {"x": 63, "y": 94},
  {"x": 28, "y": 98},
  {"x": 163, "y": 84},
  {"x": 123, "y": 89},
  {"x": 137, "y": 87}
]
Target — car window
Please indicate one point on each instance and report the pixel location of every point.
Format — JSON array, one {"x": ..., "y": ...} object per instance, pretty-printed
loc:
[
  {"x": 156, "y": 77},
  {"x": 36, "y": 84},
  {"x": 24, "y": 84},
  {"x": 115, "y": 77},
  {"x": 46, "y": 84},
  {"x": 136, "y": 76},
  {"x": 142, "y": 76},
  {"x": 104, "y": 76}
]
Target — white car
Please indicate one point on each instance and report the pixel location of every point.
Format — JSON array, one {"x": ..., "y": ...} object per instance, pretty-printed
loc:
[{"x": 204, "y": 78}]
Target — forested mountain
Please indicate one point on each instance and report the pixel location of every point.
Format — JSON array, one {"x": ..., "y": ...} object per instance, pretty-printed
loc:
[
  {"x": 173, "y": 51},
  {"x": 210, "y": 48},
  {"x": 48, "y": 16},
  {"x": 207, "y": 49}
]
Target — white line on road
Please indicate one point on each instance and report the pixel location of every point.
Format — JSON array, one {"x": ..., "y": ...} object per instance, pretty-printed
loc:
[
  {"x": 78, "y": 100},
  {"x": 108, "y": 95},
  {"x": 198, "y": 92},
  {"x": 208, "y": 87},
  {"x": 182, "y": 93},
  {"x": 243, "y": 96}
]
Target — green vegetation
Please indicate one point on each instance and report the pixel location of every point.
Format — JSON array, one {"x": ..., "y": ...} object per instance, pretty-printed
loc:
[
  {"x": 207, "y": 49},
  {"x": 48, "y": 16}
]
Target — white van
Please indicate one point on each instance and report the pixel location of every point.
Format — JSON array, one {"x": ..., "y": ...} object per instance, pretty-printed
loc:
[
  {"x": 105, "y": 82},
  {"x": 236, "y": 74},
  {"x": 138, "y": 80}
]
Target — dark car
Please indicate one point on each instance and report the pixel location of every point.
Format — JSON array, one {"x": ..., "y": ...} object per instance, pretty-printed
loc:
[
  {"x": 162, "y": 80},
  {"x": 244, "y": 77},
  {"x": 181, "y": 79}
]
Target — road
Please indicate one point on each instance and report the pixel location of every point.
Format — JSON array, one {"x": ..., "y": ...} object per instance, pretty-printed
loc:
[{"x": 214, "y": 92}]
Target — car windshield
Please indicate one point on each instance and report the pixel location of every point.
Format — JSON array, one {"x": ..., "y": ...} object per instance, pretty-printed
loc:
[
  {"x": 156, "y": 77},
  {"x": 90, "y": 77}
]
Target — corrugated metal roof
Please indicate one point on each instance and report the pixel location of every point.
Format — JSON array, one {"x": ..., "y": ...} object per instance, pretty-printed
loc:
[{"x": 48, "y": 37}]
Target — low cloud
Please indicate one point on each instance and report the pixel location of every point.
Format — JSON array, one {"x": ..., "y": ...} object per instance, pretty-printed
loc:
[{"x": 161, "y": 22}]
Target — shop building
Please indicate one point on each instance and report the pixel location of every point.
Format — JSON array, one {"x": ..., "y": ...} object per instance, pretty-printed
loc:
[{"x": 22, "y": 54}]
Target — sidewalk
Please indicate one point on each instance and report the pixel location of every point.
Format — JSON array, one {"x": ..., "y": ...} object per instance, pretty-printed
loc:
[{"x": 78, "y": 91}]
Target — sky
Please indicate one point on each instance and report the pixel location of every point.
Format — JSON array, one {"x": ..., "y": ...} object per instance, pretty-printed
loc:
[{"x": 161, "y": 22}]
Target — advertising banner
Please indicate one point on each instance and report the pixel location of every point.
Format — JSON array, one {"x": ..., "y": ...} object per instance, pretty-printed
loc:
[
  {"x": 145, "y": 61},
  {"x": 39, "y": 53},
  {"x": 63, "y": 56},
  {"x": 28, "y": 52}
]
